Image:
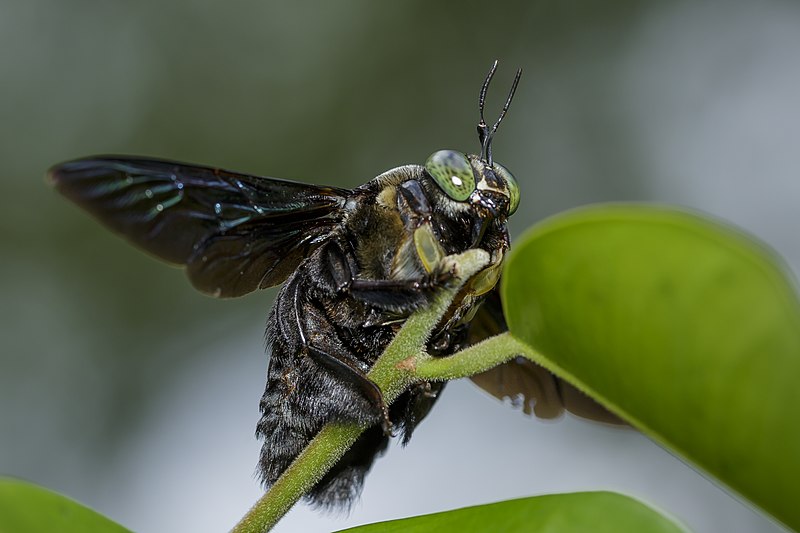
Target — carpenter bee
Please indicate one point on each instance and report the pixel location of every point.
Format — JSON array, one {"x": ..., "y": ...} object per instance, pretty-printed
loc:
[{"x": 354, "y": 265}]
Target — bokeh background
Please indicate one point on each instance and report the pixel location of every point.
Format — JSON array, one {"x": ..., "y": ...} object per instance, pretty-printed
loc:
[{"x": 127, "y": 390}]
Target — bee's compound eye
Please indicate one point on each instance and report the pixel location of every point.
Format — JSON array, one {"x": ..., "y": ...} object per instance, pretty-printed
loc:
[
  {"x": 452, "y": 173},
  {"x": 511, "y": 182}
]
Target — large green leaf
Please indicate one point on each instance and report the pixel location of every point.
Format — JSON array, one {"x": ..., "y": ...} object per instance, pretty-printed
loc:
[
  {"x": 685, "y": 327},
  {"x": 25, "y": 508},
  {"x": 598, "y": 512}
]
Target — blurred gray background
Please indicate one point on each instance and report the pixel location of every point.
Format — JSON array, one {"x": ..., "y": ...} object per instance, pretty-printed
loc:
[{"x": 127, "y": 390}]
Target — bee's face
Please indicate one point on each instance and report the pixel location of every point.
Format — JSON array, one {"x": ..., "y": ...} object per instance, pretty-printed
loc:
[{"x": 468, "y": 182}]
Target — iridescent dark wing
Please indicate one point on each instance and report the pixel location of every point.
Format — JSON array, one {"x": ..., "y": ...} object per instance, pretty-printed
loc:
[
  {"x": 526, "y": 384},
  {"x": 234, "y": 233}
]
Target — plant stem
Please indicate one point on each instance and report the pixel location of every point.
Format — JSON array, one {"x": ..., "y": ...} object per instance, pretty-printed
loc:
[
  {"x": 473, "y": 360},
  {"x": 392, "y": 376},
  {"x": 318, "y": 457}
]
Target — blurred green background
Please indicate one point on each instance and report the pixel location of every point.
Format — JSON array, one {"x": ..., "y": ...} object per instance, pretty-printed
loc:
[{"x": 124, "y": 388}]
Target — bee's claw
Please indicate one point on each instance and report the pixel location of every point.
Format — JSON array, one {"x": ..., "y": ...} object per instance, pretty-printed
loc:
[{"x": 386, "y": 423}]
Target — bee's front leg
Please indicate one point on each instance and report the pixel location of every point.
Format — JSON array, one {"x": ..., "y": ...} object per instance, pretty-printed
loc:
[{"x": 340, "y": 274}]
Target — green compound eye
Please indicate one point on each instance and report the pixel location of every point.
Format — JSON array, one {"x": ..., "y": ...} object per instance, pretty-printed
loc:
[
  {"x": 513, "y": 189},
  {"x": 452, "y": 173}
]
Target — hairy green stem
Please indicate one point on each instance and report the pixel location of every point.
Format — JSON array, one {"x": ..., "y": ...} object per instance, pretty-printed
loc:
[
  {"x": 473, "y": 360},
  {"x": 317, "y": 458},
  {"x": 393, "y": 372}
]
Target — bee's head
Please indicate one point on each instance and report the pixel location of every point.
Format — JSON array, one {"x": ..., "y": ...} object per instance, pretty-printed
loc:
[
  {"x": 476, "y": 182},
  {"x": 490, "y": 190}
]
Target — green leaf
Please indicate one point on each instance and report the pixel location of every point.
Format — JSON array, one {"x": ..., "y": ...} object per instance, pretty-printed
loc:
[
  {"x": 683, "y": 326},
  {"x": 25, "y": 507},
  {"x": 598, "y": 512}
]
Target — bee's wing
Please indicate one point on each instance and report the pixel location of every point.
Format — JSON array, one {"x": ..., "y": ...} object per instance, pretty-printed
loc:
[
  {"x": 234, "y": 232},
  {"x": 528, "y": 385}
]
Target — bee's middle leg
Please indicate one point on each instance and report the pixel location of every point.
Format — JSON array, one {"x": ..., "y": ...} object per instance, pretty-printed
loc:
[{"x": 339, "y": 366}]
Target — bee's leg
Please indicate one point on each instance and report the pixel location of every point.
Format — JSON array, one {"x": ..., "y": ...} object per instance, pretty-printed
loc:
[
  {"x": 344, "y": 369},
  {"x": 403, "y": 295},
  {"x": 354, "y": 376}
]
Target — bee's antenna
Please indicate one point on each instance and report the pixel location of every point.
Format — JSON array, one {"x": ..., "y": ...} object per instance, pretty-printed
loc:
[
  {"x": 483, "y": 129},
  {"x": 484, "y": 134}
]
